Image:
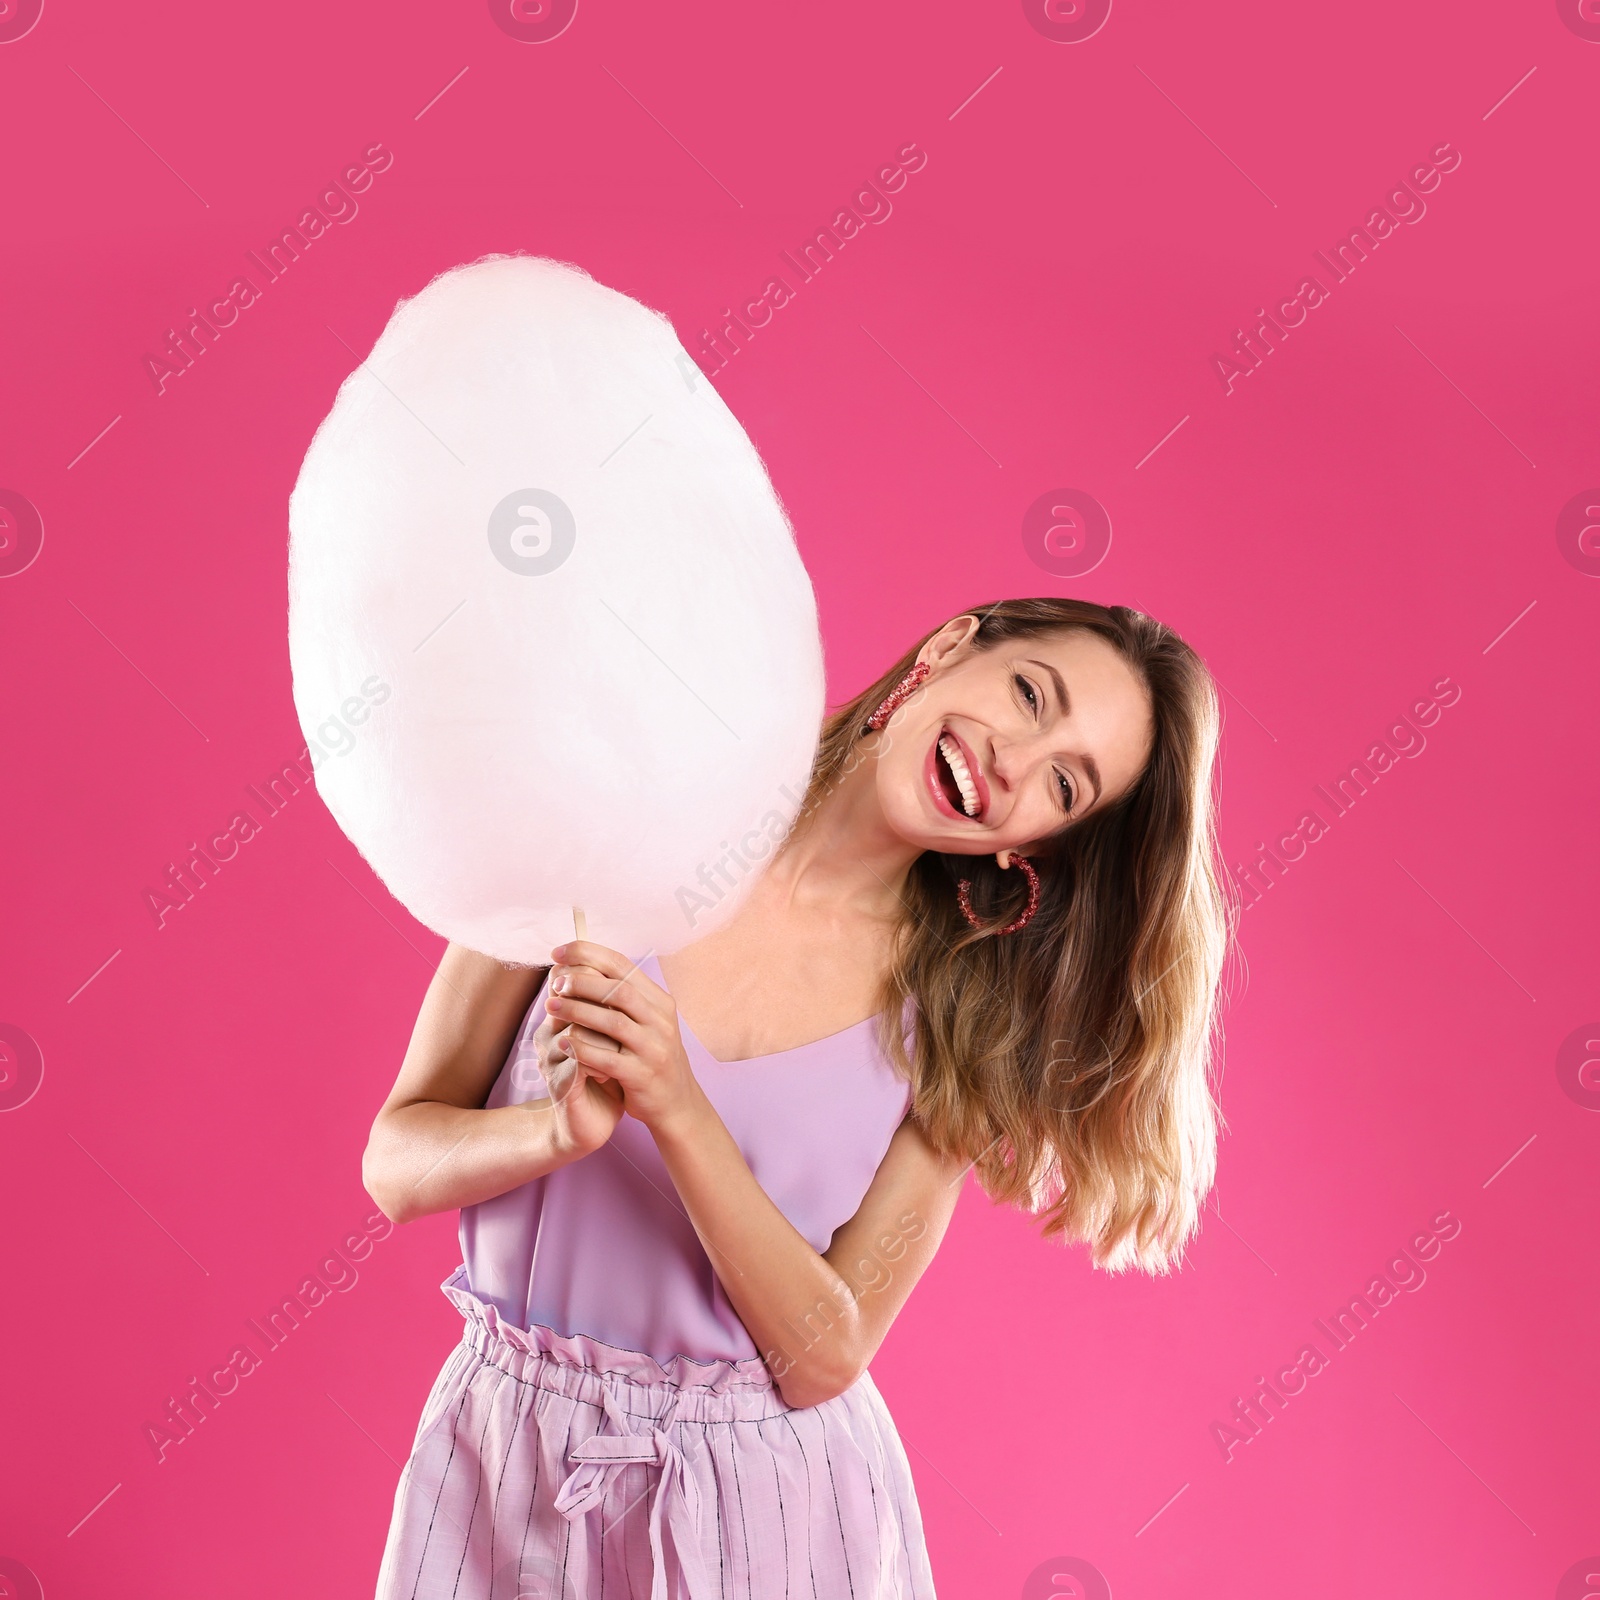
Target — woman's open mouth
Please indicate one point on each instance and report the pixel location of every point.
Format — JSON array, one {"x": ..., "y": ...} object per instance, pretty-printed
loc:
[{"x": 951, "y": 779}]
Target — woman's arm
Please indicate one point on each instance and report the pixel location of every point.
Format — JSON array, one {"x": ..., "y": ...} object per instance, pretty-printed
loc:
[
  {"x": 432, "y": 1146},
  {"x": 818, "y": 1319}
]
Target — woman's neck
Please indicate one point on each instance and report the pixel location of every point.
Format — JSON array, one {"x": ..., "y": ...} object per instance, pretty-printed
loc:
[{"x": 844, "y": 854}]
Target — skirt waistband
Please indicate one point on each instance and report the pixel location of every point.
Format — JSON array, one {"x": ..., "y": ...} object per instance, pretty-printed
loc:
[{"x": 591, "y": 1371}]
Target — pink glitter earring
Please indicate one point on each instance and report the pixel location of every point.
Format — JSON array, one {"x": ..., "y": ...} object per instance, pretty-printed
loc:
[
  {"x": 897, "y": 697},
  {"x": 964, "y": 897}
]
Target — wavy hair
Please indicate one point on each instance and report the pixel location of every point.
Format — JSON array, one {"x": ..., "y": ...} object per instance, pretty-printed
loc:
[{"x": 1070, "y": 1063}]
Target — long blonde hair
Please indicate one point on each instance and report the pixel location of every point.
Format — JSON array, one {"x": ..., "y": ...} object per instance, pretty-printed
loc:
[{"x": 1070, "y": 1063}]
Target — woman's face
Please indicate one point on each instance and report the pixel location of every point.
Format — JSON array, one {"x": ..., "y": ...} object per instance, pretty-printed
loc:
[{"x": 1006, "y": 746}]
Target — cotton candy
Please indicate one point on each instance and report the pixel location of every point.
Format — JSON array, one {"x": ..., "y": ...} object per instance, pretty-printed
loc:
[{"x": 536, "y": 548}]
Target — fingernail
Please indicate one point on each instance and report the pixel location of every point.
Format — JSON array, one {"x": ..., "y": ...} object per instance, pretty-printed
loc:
[
  {"x": 559, "y": 951},
  {"x": 559, "y": 986}
]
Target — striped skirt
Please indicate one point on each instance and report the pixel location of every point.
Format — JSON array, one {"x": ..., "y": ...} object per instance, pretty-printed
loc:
[{"x": 548, "y": 1468}]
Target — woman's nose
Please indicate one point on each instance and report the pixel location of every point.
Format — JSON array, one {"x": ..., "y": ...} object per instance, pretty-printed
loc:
[
  {"x": 1006, "y": 762},
  {"x": 1013, "y": 759}
]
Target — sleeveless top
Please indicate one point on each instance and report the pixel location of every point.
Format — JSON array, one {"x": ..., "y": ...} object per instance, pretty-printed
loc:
[{"x": 603, "y": 1247}]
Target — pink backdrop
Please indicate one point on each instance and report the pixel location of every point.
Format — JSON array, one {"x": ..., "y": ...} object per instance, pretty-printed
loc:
[{"x": 1396, "y": 493}]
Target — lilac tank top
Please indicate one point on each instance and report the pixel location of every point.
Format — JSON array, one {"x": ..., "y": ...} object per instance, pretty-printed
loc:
[{"x": 603, "y": 1246}]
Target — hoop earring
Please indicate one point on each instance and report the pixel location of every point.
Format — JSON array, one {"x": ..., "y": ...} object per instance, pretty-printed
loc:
[
  {"x": 964, "y": 899},
  {"x": 897, "y": 697}
]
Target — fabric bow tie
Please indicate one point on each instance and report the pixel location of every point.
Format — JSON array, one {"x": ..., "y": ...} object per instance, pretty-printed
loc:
[{"x": 676, "y": 1503}]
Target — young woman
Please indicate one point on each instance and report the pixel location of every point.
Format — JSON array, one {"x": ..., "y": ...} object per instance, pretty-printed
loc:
[{"x": 696, "y": 1190}]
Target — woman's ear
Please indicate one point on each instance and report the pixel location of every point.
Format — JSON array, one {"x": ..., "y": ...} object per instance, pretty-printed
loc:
[{"x": 950, "y": 642}]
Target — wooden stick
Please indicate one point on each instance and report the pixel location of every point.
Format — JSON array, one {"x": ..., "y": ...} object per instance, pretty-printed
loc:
[{"x": 580, "y": 923}]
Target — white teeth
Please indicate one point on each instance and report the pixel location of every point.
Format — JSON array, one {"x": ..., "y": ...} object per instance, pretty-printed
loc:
[{"x": 951, "y": 751}]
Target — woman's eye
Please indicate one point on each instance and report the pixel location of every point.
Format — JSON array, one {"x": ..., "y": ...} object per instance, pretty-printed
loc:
[
  {"x": 1028, "y": 694},
  {"x": 1066, "y": 791}
]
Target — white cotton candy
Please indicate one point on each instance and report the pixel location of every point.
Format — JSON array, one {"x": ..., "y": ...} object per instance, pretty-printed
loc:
[{"x": 619, "y": 709}]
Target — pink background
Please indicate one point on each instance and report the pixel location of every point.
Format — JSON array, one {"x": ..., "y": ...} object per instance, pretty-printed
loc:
[{"x": 1367, "y": 514}]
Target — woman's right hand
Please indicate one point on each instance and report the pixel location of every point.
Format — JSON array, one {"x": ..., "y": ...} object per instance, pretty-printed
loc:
[{"x": 587, "y": 1108}]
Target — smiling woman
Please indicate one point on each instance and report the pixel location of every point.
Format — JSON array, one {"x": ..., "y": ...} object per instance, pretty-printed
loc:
[{"x": 683, "y": 1245}]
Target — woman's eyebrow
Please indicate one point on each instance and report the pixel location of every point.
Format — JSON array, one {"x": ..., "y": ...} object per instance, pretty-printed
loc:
[
  {"x": 1059, "y": 682},
  {"x": 1090, "y": 766}
]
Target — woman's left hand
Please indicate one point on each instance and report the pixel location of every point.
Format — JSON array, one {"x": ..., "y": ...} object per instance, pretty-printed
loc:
[{"x": 625, "y": 1028}]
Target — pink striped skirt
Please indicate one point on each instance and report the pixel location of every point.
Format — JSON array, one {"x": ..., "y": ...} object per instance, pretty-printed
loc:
[{"x": 547, "y": 1468}]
